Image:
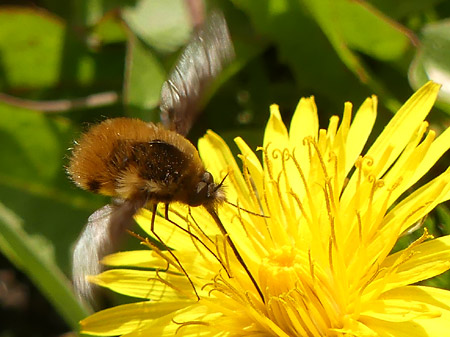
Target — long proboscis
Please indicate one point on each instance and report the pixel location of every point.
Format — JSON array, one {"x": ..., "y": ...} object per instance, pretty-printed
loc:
[{"x": 233, "y": 247}]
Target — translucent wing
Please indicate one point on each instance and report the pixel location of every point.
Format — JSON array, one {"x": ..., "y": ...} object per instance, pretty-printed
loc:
[
  {"x": 209, "y": 51},
  {"x": 100, "y": 237}
]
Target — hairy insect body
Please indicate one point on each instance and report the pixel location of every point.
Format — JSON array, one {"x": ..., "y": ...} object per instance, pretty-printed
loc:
[
  {"x": 130, "y": 159},
  {"x": 143, "y": 164}
]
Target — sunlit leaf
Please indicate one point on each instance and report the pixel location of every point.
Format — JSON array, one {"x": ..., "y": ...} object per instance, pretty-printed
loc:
[
  {"x": 31, "y": 43},
  {"x": 33, "y": 182},
  {"x": 109, "y": 30},
  {"x": 162, "y": 24},
  {"x": 28, "y": 253},
  {"x": 144, "y": 78},
  {"x": 432, "y": 61}
]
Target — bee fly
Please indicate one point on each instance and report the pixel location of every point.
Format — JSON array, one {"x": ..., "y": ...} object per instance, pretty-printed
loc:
[{"x": 143, "y": 164}]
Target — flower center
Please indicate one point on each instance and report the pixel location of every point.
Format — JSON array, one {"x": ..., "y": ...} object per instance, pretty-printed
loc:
[
  {"x": 279, "y": 272},
  {"x": 283, "y": 258}
]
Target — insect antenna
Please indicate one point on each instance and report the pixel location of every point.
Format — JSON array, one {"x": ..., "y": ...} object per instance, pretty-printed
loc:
[
  {"x": 221, "y": 183},
  {"x": 152, "y": 229},
  {"x": 219, "y": 223}
]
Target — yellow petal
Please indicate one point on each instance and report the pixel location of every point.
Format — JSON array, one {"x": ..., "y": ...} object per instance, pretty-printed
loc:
[
  {"x": 305, "y": 123},
  {"x": 252, "y": 163},
  {"x": 398, "y": 132},
  {"x": 276, "y": 132},
  {"x": 171, "y": 324},
  {"x": 126, "y": 318},
  {"x": 171, "y": 235},
  {"x": 135, "y": 258},
  {"x": 360, "y": 130},
  {"x": 429, "y": 259},
  {"x": 401, "y": 172},
  {"x": 399, "y": 310},
  {"x": 434, "y": 299},
  {"x": 219, "y": 160},
  {"x": 143, "y": 284},
  {"x": 275, "y": 136},
  {"x": 418, "y": 204},
  {"x": 439, "y": 298},
  {"x": 437, "y": 149}
]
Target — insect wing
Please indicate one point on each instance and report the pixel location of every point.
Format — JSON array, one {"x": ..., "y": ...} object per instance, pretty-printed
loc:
[
  {"x": 100, "y": 237},
  {"x": 209, "y": 51}
]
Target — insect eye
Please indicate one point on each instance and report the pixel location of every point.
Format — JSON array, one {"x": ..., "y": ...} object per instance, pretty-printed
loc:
[
  {"x": 202, "y": 188},
  {"x": 200, "y": 195},
  {"x": 207, "y": 178}
]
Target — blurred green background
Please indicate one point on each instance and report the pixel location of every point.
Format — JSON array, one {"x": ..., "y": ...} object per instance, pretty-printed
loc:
[{"x": 65, "y": 64}]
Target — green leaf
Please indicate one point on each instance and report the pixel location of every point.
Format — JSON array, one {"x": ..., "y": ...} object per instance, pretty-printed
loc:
[
  {"x": 31, "y": 43},
  {"x": 144, "y": 78},
  {"x": 52, "y": 211},
  {"x": 432, "y": 61},
  {"x": 358, "y": 26},
  {"x": 109, "y": 30},
  {"x": 162, "y": 24},
  {"x": 31, "y": 255},
  {"x": 38, "y": 51},
  {"x": 33, "y": 182},
  {"x": 402, "y": 8},
  {"x": 302, "y": 46}
]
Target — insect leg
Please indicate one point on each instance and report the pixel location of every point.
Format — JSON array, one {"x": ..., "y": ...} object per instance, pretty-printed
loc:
[
  {"x": 152, "y": 229},
  {"x": 166, "y": 211},
  {"x": 196, "y": 237}
]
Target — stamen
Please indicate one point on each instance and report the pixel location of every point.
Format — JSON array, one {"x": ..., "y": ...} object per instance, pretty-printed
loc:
[
  {"x": 185, "y": 324},
  {"x": 407, "y": 254},
  {"x": 276, "y": 153},
  {"x": 193, "y": 236},
  {"x": 306, "y": 142},
  {"x": 371, "y": 279},
  {"x": 311, "y": 268},
  {"x": 366, "y": 162},
  {"x": 250, "y": 183},
  {"x": 199, "y": 229},
  {"x": 225, "y": 261},
  {"x": 280, "y": 194},
  {"x": 381, "y": 210},
  {"x": 330, "y": 253},
  {"x": 305, "y": 184},
  {"x": 194, "y": 242},
  {"x": 425, "y": 236},
  {"x": 300, "y": 205},
  {"x": 267, "y": 162},
  {"x": 153, "y": 247},
  {"x": 329, "y": 212},
  {"x": 319, "y": 156},
  {"x": 284, "y": 155},
  {"x": 228, "y": 289},
  {"x": 370, "y": 179},
  {"x": 239, "y": 219},
  {"x": 358, "y": 217},
  {"x": 166, "y": 282},
  {"x": 358, "y": 168},
  {"x": 266, "y": 201}
]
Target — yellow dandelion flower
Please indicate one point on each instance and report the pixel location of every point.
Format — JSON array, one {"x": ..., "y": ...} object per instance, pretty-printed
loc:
[{"x": 321, "y": 255}]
